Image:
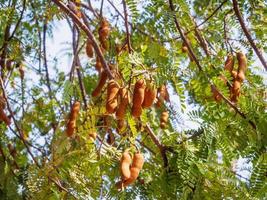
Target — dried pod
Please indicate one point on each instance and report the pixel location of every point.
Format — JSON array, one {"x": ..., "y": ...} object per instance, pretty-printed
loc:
[
  {"x": 164, "y": 119},
  {"x": 92, "y": 135},
  {"x": 104, "y": 30},
  {"x": 89, "y": 48},
  {"x": 102, "y": 80},
  {"x": 229, "y": 63},
  {"x": 234, "y": 74},
  {"x": 72, "y": 119},
  {"x": 150, "y": 96},
  {"x": 138, "y": 98},
  {"x": 138, "y": 161},
  {"x": 125, "y": 163},
  {"x": 112, "y": 91},
  {"x": 98, "y": 64},
  {"x": 242, "y": 62},
  {"x": 120, "y": 124},
  {"x": 235, "y": 91},
  {"x": 124, "y": 101}
]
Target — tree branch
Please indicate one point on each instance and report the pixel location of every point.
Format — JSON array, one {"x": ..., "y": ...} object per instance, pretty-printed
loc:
[
  {"x": 248, "y": 35},
  {"x": 126, "y": 26},
  {"x": 90, "y": 35},
  {"x": 161, "y": 147}
]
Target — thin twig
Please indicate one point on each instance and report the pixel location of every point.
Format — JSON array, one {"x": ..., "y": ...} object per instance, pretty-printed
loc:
[
  {"x": 126, "y": 26},
  {"x": 90, "y": 35},
  {"x": 248, "y": 35}
]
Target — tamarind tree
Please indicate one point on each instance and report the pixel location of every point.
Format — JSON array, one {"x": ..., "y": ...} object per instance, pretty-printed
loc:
[{"x": 156, "y": 99}]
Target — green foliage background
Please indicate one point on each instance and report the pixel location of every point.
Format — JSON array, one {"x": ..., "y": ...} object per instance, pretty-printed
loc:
[{"x": 89, "y": 169}]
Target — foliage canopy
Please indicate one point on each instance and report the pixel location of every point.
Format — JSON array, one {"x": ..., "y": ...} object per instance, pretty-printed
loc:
[{"x": 195, "y": 157}]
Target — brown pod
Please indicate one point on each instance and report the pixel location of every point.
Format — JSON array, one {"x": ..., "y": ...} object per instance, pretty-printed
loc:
[
  {"x": 92, "y": 135},
  {"x": 133, "y": 177},
  {"x": 138, "y": 161},
  {"x": 72, "y": 119},
  {"x": 163, "y": 93},
  {"x": 125, "y": 163},
  {"x": 150, "y": 96},
  {"x": 104, "y": 29},
  {"x": 89, "y": 48},
  {"x": 229, "y": 63},
  {"x": 98, "y": 64},
  {"x": 242, "y": 62},
  {"x": 120, "y": 124},
  {"x": 112, "y": 91},
  {"x": 240, "y": 76},
  {"x": 164, "y": 119},
  {"x": 70, "y": 128},
  {"x": 235, "y": 91},
  {"x": 4, "y": 117},
  {"x": 124, "y": 101},
  {"x": 138, "y": 98},
  {"x": 102, "y": 80},
  {"x": 216, "y": 95},
  {"x": 234, "y": 74}
]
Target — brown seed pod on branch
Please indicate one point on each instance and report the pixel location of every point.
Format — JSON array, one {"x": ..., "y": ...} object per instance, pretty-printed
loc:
[
  {"x": 235, "y": 91},
  {"x": 125, "y": 164},
  {"x": 137, "y": 165},
  {"x": 72, "y": 119},
  {"x": 103, "y": 32},
  {"x": 242, "y": 66},
  {"x": 164, "y": 119},
  {"x": 112, "y": 92},
  {"x": 138, "y": 98},
  {"x": 163, "y": 95},
  {"x": 4, "y": 117},
  {"x": 89, "y": 48},
  {"x": 150, "y": 96},
  {"x": 229, "y": 63},
  {"x": 124, "y": 101},
  {"x": 102, "y": 80}
]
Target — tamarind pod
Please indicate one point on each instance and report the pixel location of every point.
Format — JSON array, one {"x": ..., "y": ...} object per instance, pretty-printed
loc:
[
  {"x": 104, "y": 29},
  {"x": 124, "y": 101},
  {"x": 70, "y": 128},
  {"x": 98, "y": 64},
  {"x": 164, "y": 116},
  {"x": 104, "y": 43},
  {"x": 150, "y": 95},
  {"x": 136, "y": 111},
  {"x": 235, "y": 91},
  {"x": 217, "y": 97},
  {"x": 92, "y": 135},
  {"x": 159, "y": 102},
  {"x": 112, "y": 91},
  {"x": 102, "y": 80},
  {"x": 138, "y": 161},
  {"x": 75, "y": 110},
  {"x": 229, "y": 63},
  {"x": 138, "y": 98},
  {"x": 89, "y": 48},
  {"x": 163, "y": 93},
  {"x": 139, "y": 93},
  {"x": 242, "y": 62},
  {"x": 125, "y": 163},
  {"x": 134, "y": 175},
  {"x": 234, "y": 74},
  {"x": 4, "y": 117},
  {"x": 163, "y": 125},
  {"x": 120, "y": 124},
  {"x": 240, "y": 76},
  {"x": 184, "y": 47}
]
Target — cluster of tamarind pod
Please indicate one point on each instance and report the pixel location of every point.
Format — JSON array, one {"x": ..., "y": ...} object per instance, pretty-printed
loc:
[
  {"x": 129, "y": 168},
  {"x": 237, "y": 75},
  {"x": 3, "y": 115}
]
